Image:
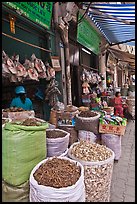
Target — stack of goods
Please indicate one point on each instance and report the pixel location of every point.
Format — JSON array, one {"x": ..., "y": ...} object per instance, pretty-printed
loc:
[
  {"x": 64, "y": 118},
  {"x": 131, "y": 106},
  {"x": 24, "y": 146},
  {"x": 112, "y": 124},
  {"x": 57, "y": 142},
  {"x": 17, "y": 113},
  {"x": 67, "y": 117},
  {"x": 98, "y": 167},
  {"x": 57, "y": 179},
  {"x": 88, "y": 121}
]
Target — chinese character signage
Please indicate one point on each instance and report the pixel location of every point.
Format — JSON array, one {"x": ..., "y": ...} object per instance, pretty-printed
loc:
[
  {"x": 88, "y": 36},
  {"x": 39, "y": 12}
]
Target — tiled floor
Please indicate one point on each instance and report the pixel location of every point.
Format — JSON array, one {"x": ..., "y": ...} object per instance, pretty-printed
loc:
[{"x": 123, "y": 179}]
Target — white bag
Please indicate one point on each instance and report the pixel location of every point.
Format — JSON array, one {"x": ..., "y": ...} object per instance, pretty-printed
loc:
[
  {"x": 64, "y": 154},
  {"x": 86, "y": 135},
  {"x": 113, "y": 142},
  {"x": 97, "y": 177},
  {"x": 57, "y": 146},
  {"x": 74, "y": 193}
]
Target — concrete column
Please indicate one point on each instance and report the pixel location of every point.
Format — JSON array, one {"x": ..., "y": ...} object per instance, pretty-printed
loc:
[
  {"x": 115, "y": 77},
  {"x": 103, "y": 69}
]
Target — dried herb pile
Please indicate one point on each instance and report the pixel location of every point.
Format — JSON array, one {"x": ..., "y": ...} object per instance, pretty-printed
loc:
[
  {"x": 87, "y": 114},
  {"x": 57, "y": 173},
  {"x": 55, "y": 134},
  {"x": 31, "y": 122}
]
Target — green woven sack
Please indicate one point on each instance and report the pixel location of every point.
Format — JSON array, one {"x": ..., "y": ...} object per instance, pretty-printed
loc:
[
  {"x": 22, "y": 148},
  {"x": 15, "y": 193}
]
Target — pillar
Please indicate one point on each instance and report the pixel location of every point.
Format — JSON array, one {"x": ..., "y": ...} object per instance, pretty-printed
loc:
[{"x": 103, "y": 69}]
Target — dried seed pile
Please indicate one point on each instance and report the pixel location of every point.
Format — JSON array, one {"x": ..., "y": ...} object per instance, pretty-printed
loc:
[
  {"x": 13, "y": 109},
  {"x": 55, "y": 134},
  {"x": 97, "y": 177},
  {"x": 87, "y": 114},
  {"x": 57, "y": 173},
  {"x": 31, "y": 122},
  {"x": 90, "y": 151}
]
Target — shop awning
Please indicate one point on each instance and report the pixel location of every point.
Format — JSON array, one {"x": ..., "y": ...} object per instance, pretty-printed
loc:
[
  {"x": 115, "y": 21},
  {"x": 123, "y": 57}
]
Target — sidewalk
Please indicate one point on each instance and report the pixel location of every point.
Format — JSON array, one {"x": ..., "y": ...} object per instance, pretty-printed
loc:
[{"x": 123, "y": 179}]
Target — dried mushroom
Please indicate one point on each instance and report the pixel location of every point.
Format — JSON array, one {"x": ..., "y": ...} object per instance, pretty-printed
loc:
[
  {"x": 97, "y": 177},
  {"x": 90, "y": 151}
]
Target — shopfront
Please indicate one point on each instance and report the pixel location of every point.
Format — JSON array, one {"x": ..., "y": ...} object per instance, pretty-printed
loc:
[
  {"x": 84, "y": 55},
  {"x": 26, "y": 31}
]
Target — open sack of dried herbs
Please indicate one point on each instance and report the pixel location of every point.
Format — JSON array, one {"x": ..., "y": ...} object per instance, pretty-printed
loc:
[{"x": 57, "y": 179}]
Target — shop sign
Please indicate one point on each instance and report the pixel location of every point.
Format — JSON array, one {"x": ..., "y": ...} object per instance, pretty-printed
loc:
[
  {"x": 39, "y": 12},
  {"x": 55, "y": 63},
  {"x": 88, "y": 36}
]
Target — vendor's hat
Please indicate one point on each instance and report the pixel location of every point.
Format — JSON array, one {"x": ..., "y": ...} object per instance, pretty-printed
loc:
[{"x": 19, "y": 89}]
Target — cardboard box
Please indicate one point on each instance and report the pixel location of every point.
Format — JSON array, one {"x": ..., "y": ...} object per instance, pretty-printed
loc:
[{"x": 112, "y": 129}]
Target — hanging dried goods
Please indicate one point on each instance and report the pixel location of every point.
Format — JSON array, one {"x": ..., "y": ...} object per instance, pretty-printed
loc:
[{"x": 33, "y": 69}]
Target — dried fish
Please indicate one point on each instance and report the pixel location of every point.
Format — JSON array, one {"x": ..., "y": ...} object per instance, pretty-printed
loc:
[
  {"x": 21, "y": 70},
  {"x": 33, "y": 74},
  {"x": 38, "y": 64},
  {"x": 13, "y": 78},
  {"x": 42, "y": 75}
]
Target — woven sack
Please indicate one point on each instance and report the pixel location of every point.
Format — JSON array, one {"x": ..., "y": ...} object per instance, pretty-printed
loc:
[
  {"x": 15, "y": 193},
  {"x": 88, "y": 123},
  {"x": 22, "y": 148}
]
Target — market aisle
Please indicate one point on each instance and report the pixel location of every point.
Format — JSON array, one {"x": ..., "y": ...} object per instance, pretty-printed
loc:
[{"x": 123, "y": 179}]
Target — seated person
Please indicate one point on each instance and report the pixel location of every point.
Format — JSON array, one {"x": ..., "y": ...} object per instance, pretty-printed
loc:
[
  {"x": 118, "y": 105},
  {"x": 21, "y": 101}
]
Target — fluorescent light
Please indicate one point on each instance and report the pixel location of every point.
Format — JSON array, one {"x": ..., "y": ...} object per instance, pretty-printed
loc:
[{"x": 86, "y": 51}]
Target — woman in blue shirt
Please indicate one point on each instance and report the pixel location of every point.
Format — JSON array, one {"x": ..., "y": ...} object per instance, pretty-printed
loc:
[{"x": 21, "y": 101}]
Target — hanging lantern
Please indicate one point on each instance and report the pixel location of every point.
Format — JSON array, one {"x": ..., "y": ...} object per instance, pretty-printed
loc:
[{"x": 12, "y": 24}]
